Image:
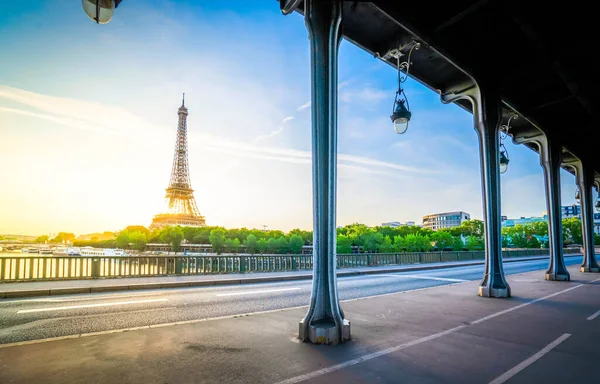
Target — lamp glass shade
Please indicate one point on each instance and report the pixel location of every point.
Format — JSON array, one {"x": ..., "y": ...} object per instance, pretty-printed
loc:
[
  {"x": 401, "y": 117},
  {"x": 105, "y": 11},
  {"x": 401, "y": 125},
  {"x": 503, "y": 162}
]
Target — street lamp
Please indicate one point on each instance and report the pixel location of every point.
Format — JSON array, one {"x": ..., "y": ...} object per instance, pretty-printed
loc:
[
  {"x": 401, "y": 115},
  {"x": 101, "y": 11},
  {"x": 401, "y": 110},
  {"x": 504, "y": 159}
]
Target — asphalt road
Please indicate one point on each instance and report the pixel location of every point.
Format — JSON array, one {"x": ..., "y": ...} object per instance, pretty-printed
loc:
[{"x": 41, "y": 318}]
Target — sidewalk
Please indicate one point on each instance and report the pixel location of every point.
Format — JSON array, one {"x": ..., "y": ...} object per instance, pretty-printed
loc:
[
  {"x": 62, "y": 287},
  {"x": 443, "y": 334}
]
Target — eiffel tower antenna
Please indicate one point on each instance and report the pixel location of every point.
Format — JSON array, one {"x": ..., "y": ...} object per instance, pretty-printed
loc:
[{"x": 180, "y": 195}]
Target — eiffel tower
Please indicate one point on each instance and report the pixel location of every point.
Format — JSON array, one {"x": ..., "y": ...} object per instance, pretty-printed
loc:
[{"x": 182, "y": 205}]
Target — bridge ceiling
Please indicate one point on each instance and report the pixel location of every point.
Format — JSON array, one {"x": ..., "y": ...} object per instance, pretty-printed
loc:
[{"x": 538, "y": 55}]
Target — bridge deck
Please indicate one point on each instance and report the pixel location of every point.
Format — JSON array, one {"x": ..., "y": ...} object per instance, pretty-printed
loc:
[{"x": 444, "y": 334}]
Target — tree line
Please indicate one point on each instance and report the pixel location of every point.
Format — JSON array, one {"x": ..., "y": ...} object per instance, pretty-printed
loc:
[{"x": 350, "y": 238}]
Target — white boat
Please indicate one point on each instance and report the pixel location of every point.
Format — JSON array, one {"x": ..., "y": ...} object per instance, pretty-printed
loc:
[
  {"x": 90, "y": 251},
  {"x": 65, "y": 251},
  {"x": 46, "y": 251}
]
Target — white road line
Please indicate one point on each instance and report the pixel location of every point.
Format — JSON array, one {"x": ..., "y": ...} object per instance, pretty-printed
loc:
[
  {"x": 253, "y": 292},
  {"x": 370, "y": 356},
  {"x": 526, "y": 363},
  {"x": 429, "y": 278},
  {"x": 67, "y": 299},
  {"x": 90, "y": 306},
  {"x": 524, "y": 305},
  {"x": 594, "y": 316}
]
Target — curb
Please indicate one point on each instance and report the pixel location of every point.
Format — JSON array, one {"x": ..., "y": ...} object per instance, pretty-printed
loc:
[{"x": 248, "y": 280}]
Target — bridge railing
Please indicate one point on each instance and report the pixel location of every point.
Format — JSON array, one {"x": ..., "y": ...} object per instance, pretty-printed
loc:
[{"x": 37, "y": 268}]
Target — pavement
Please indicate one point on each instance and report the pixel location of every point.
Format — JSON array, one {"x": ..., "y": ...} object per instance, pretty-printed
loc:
[
  {"x": 547, "y": 332},
  {"x": 63, "y": 287}
]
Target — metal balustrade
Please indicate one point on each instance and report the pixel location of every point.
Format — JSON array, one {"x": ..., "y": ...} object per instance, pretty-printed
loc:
[{"x": 32, "y": 268}]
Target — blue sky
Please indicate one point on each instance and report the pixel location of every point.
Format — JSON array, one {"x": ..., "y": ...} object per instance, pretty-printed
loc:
[{"x": 88, "y": 119}]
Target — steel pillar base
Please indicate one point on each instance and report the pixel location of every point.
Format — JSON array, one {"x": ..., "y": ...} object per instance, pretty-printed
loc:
[
  {"x": 324, "y": 332},
  {"x": 558, "y": 277},
  {"x": 588, "y": 269},
  {"x": 494, "y": 292}
]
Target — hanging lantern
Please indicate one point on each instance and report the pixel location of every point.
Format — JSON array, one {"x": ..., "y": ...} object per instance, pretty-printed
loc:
[
  {"x": 101, "y": 11},
  {"x": 401, "y": 110},
  {"x": 401, "y": 116},
  {"x": 504, "y": 160}
]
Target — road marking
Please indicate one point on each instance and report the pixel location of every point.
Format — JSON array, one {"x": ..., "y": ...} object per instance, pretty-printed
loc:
[
  {"x": 526, "y": 363},
  {"x": 195, "y": 321},
  {"x": 67, "y": 299},
  {"x": 429, "y": 278},
  {"x": 370, "y": 356},
  {"x": 594, "y": 316},
  {"x": 89, "y": 306},
  {"x": 262, "y": 291},
  {"x": 524, "y": 305}
]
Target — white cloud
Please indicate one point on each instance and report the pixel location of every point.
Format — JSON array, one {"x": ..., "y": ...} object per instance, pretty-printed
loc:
[
  {"x": 364, "y": 95},
  {"x": 303, "y": 106},
  {"x": 287, "y": 119}
]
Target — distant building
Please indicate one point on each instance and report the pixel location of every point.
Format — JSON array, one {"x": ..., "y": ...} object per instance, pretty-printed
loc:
[
  {"x": 396, "y": 224},
  {"x": 523, "y": 221},
  {"x": 569, "y": 211},
  {"x": 445, "y": 220}
]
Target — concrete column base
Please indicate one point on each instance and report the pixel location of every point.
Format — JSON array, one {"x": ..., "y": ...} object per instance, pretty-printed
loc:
[
  {"x": 553, "y": 277},
  {"x": 494, "y": 292},
  {"x": 588, "y": 269},
  {"x": 324, "y": 332}
]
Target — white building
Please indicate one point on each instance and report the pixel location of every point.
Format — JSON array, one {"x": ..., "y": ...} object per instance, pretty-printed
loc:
[
  {"x": 445, "y": 220},
  {"x": 396, "y": 224}
]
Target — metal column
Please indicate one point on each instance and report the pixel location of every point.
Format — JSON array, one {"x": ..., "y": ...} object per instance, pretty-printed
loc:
[
  {"x": 487, "y": 119},
  {"x": 550, "y": 160},
  {"x": 585, "y": 181},
  {"x": 324, "y": 322},
  {"x": 487, "y": 122}
]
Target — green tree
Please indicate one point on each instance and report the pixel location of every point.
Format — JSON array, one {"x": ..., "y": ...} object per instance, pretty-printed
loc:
[
  {"x": 272, "y": 245},
  {"x": 217, "y": 239},
  {"x": 251, "y": 244},
  {"x": 572, "y": 231},
  {"x": 386, "y": 245},
  {"x": 371, "y": 241},
  {"x": 233, "y": 245},
  {"x": 443, "y": 240},
  {"x": 457, "y": 244},
  {"x": 138, "y": 240},
  {"x": 417, "y": 243},
  {"x": 343, "y": 244},
  {"x": 296, "y": 243},
  {"x": 399, "y": 244},
  {"x": 172, "y": 236},
  {"x": 262, "y": 245},
  {"x": 176, "y": 238},
  {"x": 474, "y": 243},
  {"x": 63, "y": 237},
  {"x": 42, "y": 239},
  {"x": 137, "y": 228},
  {"x": 122, "y": 240},
  {"x": 282, "y": 245}
]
